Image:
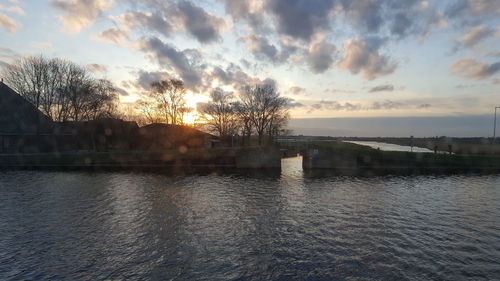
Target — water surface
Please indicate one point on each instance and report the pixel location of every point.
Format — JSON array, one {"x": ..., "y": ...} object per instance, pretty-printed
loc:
[
  {"x": 95, "y": 226},
  {"x": 391, "y": 147}
]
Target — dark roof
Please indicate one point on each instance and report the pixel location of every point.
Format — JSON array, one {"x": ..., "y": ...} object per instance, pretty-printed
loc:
[{"x": 18, "y": 116}]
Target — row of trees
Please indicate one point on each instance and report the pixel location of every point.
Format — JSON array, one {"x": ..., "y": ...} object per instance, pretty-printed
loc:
[
  {"x": 61, "y": 89},
  {"x": 66, "y": 91},
  {"x": 260, "y": 110}
]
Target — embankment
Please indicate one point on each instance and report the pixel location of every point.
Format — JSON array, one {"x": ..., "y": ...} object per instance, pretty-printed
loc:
[
  {"x": 195, "y": 159},
  {"x": 348, "y": 158}
]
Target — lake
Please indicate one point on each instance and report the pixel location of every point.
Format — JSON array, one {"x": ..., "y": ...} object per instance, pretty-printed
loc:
[{"x": 140, "y": 226}]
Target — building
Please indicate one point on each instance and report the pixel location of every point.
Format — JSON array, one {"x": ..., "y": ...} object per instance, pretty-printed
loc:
[
  {"x": 21, "y": 123},
  {"x": 24, "y": 129}
]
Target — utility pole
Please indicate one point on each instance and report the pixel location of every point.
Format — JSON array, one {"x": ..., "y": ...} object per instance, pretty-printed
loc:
[{"x": 495, "y": 125}]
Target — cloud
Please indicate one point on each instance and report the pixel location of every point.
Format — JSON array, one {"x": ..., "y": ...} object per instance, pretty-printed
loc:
[
  {"x": 361, "y": 56},
  {"x": 167, "y": 17},
  {"x": 94, "y": 67},
  {"x": 424, "y": 106},
  {"x": 203, "y": 26},
  {"x": 46, "y": 46},
  {"x": 334, "y": 106},
  {"x": 168, "y": 57},
  {"x": 291, "y": 103},
  {"x": 113, "y": 36},
  {"x": 146, "y": 78},
  {"x": 232, "y": 75},
  {"x": 12, "y": 9},
  {"x": 338, "y": 91},
  {"x": 467, "y": 8},
  {"x": 249, "y": 10},
  {"x": 8, "y": 23},
  {"x": 382, "y": 88},
  {"x": 366, "y": 14},
  {"x": 7, "y": 55},
  {"x": 470, "y": 68},
  {"x": 148, "y": 21},
  {"x": 475, "y": 35},
  {"x": 261, "y": 48},
  {"x": 301, "y": 18},
  {"x": 387, "y": 104},
  {"x": 78, "y": 14},
  {"x": 320, "y": 55},
  {"x": 295, "y": 90},
  {"x": 369, "y": 106}
]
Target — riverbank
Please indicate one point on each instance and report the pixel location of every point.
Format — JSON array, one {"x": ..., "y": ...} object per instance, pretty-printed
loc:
[
  {"x": 181, "y": 159},
  {"x": 463, "y": 146},
  {"x": 349, "y": 158}
]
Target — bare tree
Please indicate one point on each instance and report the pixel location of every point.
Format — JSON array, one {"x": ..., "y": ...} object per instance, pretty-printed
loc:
[
  {"x": 219, "y": 114},
  {"x": 170, "y": 98},
  {"x": 149, "y": 111},
  {"x": 244, "y": 120},
  {"x": 264, "y": 106},
  {"x": 61, "y": 89},
  {"x": 32, "y": 78}
]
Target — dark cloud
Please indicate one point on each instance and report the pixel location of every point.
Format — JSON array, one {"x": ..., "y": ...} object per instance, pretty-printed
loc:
[
  {"x": 470, "y": 68},
  {"x": 166, "y": 17},
  {"x": 387, "y": 104},
  {"x": 366, "y": 14},
  {"x": 424, "y": 106},
  {"x": 291, "y": 103},
  {"x": 301, "y": 18},
  {"x": 167, "y": 56},
  {"x": 245, "y": 10},
  {"x": 362, "y": 56},
  {"x": 295, "y": 90},
  {"x": 203, "y": 26},
  {"x": 382, "y": 88},
  {"x": 147, "y": 21},
  {"x": 334, "y": 106},
  {"x": 261, "y": 48},
  {"x": 146, "y": 78},
  {"x": 231, "y": 75},
  {"x": 321, "y": 55}
]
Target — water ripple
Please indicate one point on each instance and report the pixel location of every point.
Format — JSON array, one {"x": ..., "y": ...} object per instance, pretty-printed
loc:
[{"x": 98, "y": 226}]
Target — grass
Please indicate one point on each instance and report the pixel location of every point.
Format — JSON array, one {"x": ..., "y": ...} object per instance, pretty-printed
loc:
[
  {"x": 366, "y": 157},
  {"x": 464, "y": 146}
]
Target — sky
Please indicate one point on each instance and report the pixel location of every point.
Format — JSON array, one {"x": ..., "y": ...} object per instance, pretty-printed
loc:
[{"x": 331, "y": 58}]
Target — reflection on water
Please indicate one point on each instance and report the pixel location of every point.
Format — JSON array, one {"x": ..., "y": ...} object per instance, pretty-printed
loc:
[
  {"x": 391, "y": 147},
  {"x": 147, "y": 226}
]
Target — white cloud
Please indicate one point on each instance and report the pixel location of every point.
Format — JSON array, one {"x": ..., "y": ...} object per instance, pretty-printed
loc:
[
  {"x": 78, "y": 14},
  {"x": 470, "y": 68},
  {"x": 8, "y": 23},
  {"x": 362, "y": 57}
]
